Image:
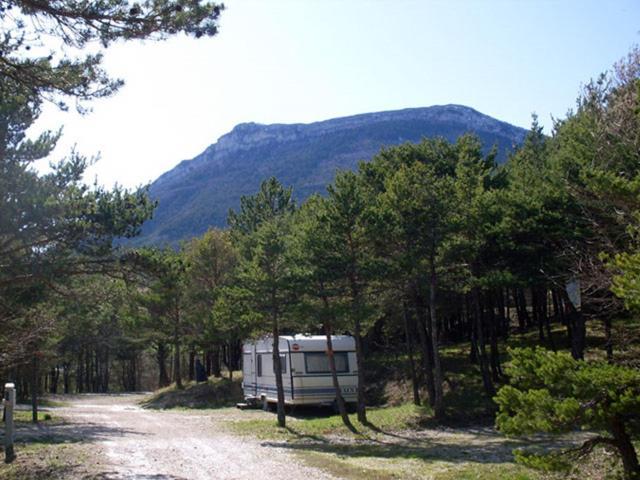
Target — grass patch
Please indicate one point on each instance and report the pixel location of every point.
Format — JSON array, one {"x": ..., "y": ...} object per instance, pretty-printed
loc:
[
  {"x": 214, "y": 393},
  {"x": 47, "y": 402},
  {"x": 390, "y": 447},
  {"x": 24, "y": 416},
  {"x": 316, "y": 422},
  {"x": 372, "y": 469},
  {"x": 44, "y": 461},
  {"x": 396, "y": 446}
]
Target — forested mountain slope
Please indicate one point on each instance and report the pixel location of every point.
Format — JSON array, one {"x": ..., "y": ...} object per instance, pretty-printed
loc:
[{"x": 198, "y": 193}]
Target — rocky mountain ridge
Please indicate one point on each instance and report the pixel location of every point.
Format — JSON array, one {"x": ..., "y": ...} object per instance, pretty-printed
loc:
[{"x": 198, "y": 193}]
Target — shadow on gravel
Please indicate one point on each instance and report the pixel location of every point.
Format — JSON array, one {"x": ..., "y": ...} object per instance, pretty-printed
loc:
[
  {"x": 479, "y": 445},
  {"x": 68, "y": 432},
  {"x": 422, "y": 451},
  {"x": 119, "y": 476}
]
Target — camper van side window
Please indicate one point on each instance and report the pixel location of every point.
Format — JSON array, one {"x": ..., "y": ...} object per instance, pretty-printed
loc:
[
  {"x": 318, "y": 362},
  {"x": 259, "y": 365},
  {"x": 283, "y": 364}
]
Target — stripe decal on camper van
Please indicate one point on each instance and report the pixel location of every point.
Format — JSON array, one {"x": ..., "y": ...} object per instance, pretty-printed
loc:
[{"x": 301, "y": 391}]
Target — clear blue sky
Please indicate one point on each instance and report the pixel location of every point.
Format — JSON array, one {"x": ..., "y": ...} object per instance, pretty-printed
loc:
[{"x": 301, "y": 61}]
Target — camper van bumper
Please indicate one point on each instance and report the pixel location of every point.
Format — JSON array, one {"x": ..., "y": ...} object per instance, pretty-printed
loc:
[{"x": 299, "y": 399}]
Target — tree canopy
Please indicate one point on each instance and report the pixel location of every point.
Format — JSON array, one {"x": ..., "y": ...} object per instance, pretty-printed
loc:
[{"x": 39, "y": 49}]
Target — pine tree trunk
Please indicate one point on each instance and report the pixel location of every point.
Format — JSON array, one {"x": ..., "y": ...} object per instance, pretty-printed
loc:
[
  {"x": 79, "y": 372},
  {"x": 425, "y": 343},
  {"x": 470, "y": 328},
  {"x": 361, "y": 408},
  {"x": 123, "y": 376},
  {"x": 278, "y": 370},
  {"x": 192, "y": 365},
  {"x": 524, "y": 321},
  {"x": 556, "y": 306},
  {"x": 496, "y": 371},
  {"x": 107, "y": 371},
  {"x": 342, "y": 408},
  {"x": 177, "y": 374},
  {"x": 579, "y": 333},
  {"x": 521, "y": 320},
  {"x": 626, "y": 449},
  {"x": 177, "y": 371},
  {"x": 438, "y": 406},
  {"x": 88, "y": 370},
  {"x": 55, "y": 376},
  {"x": 412, "y": 364},
  {"x": 207, "y": 363},
  {"x": 96, "y": 371},
  {"x": 163, "y": 377},
  {"x": 544, "y": 301},
  {"x": 34, "y": 389},
  {"x": 608, "y": 341},
  {"x": 537, "y": 314},
  {"x": 576, "y": 327},
  {"x": 506, "y": 314},
  {"x": 66, "y": 380},
  {"x": 134, "y": 374},
  {"x": 355, "y": 309},
  {"x": 480, "y": 346},
  {"x": 216, "y": 367}
]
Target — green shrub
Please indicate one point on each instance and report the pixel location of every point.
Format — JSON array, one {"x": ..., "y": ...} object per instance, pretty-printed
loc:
[{"x": 552, "y": 392}]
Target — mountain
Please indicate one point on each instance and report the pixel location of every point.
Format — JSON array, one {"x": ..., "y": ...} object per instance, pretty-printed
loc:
[{"x": 198, "y": 193}]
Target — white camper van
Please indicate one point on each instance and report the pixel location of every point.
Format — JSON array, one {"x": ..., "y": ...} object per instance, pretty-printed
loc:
[{"x": 305, "y": 370}]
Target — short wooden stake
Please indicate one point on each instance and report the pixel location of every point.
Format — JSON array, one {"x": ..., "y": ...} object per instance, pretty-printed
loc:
[{"x": 9, "y": 405}]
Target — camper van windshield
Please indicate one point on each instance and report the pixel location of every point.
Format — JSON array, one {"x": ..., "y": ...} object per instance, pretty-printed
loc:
[{"x": 318, "y": 362}]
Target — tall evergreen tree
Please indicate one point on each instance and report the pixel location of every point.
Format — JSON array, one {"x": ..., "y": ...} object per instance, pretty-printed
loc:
[
  {"x": 260, "y": 230},
  {"x": 211, "y": 262},
  {"x": 52, "y": 226},
  {"x": 315, "y": 262},
  {"x": 345, "y": 225},
  {"x": 164, "y": 295},
  {"x": 421, "y": 203}
]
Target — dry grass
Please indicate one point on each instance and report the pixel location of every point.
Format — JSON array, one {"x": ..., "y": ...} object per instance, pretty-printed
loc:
[
  {"x": 402, "y": 450},
  {"x": 48, "y": 461},
  {"x": 215, "y": 393}
]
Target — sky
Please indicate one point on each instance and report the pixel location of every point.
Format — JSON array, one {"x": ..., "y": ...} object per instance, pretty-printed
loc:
[{"x": 292, "y": 61}]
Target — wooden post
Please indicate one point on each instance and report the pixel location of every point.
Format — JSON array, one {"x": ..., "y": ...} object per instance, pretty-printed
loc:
[
  {"x": 34, "y": 387},
  {"x": 9, "y": 405}
]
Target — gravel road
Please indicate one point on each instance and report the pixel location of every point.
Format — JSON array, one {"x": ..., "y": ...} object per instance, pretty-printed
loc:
[{"x": 135, "y": 443}]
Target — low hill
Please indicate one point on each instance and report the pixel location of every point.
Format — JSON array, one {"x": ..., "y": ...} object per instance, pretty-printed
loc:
[{"x": 198, "y": 193}]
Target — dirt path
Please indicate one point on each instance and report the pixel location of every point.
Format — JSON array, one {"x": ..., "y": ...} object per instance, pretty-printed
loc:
[{"x": 134, "y": 443}]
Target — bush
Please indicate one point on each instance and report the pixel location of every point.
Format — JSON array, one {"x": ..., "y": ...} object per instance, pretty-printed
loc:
[{"x": 554, "y": 393}]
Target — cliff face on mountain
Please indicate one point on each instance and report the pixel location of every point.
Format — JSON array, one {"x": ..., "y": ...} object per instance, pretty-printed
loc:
[{"x": 198, "y": 193}]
